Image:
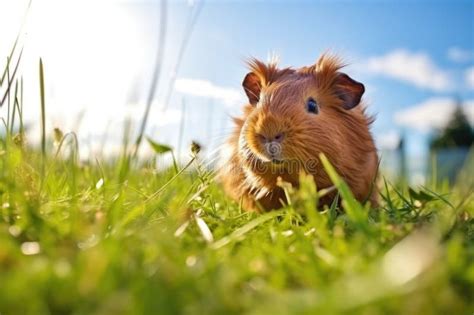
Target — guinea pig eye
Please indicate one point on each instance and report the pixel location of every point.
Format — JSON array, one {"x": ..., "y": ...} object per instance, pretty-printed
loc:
[{"x": 312, "y": 106}]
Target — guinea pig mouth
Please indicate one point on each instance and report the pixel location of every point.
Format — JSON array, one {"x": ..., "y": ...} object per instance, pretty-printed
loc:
[
  {"x": 277, "y": 161},
  {"x": 266, "y": 156},
  {"x": 270, "y": 159}
]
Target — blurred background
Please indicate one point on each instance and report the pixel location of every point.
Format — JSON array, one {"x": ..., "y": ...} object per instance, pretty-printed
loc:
[{"x": 106, "y": 60}]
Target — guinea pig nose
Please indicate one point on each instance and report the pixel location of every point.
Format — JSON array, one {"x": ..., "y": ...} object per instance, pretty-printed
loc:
[
  {"x": 273, "y": 148},
  {"x": 279, "y": 137},
  {"x": 275, "y": 139}
]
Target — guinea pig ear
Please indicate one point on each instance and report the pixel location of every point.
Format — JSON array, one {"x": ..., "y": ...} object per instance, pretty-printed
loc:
[
  {"x": 252, "y": 87},
  {"x": 349, "y": 90}
]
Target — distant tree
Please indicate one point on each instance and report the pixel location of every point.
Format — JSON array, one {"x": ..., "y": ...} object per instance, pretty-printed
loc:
[{"x": 458, "y": 133}]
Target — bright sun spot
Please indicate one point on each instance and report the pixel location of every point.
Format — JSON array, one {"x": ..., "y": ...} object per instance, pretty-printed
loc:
[{"x": 93, "y": 53}]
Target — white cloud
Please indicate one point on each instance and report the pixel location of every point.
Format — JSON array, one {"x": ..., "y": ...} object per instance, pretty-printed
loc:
[
  {"x": 460, "y": 55},
  {"x": 469, "y": 77},
  {"x": 432, "y": 113},
  {"x": 415, "y": 68},
  {"x": 388, "y": 141},
  {"x": 204, "y": 88}
]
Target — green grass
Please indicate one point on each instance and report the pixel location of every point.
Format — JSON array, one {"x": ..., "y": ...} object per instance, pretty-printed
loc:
[{"x": 120, "y": 237}]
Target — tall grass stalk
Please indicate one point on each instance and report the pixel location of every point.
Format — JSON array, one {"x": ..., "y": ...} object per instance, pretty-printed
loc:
[
  {"x": 6, "y": 72},
  {"x": 20, "y": 108},
  {"x": 156, "y": 74},
  {"x": 15, "y": 106},
  {"x": 190, "y": 24},
  {"x": 10, "y": 79},
  {"x": 181, "y": 129},
  {"x": 8, "y": 95},
  {"x": 43, "y": 115}
]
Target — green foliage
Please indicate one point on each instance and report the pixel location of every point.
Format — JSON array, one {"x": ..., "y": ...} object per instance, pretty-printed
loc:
[
  {"x": 158, "y": 147},
  {"x": 457, "y": 133},
  {"x": 87, "y": 239}
]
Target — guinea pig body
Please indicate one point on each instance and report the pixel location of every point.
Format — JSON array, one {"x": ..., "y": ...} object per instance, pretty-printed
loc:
[{"x": 292, "y": 116}]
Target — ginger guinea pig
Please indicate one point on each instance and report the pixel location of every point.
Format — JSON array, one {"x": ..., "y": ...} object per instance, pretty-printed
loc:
[{"x": 292, "y": 116}]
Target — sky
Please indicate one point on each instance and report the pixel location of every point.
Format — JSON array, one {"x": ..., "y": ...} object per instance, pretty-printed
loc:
[{"x": 414, "y": 58}]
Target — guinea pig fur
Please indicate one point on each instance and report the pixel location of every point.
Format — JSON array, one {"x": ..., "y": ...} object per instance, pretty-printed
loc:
[{"x": 292, "y": 116}]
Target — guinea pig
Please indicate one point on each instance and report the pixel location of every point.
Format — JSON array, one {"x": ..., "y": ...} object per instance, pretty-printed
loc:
[{"x": 292, "y": 116}]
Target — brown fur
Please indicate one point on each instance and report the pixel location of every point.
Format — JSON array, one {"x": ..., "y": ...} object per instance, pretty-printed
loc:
[{"x": 341, "y": 134}]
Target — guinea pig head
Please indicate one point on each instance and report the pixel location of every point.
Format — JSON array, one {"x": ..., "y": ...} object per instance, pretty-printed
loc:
[{"x": 295, "y": 114}]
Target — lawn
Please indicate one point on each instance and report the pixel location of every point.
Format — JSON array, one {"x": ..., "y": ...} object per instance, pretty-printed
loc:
[{"x": 128, "y": 237}]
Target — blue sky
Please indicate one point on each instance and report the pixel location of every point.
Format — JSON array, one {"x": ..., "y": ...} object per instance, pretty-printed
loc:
[
  {"x": 357, "y": 31},
  {"x": 413, "y": 57}
]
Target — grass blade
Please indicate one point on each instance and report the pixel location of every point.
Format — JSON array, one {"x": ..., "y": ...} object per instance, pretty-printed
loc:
[
  {"x": 11, "y": 79},
  {"x": 237, "y": 234},
  {"x": 15, "y": 44},
  {"x": 204, "y": 229},
  {"x": 354, "y": 209},
  {"x": 156, "y": 74},
  {"x": 43, "y": 112}
]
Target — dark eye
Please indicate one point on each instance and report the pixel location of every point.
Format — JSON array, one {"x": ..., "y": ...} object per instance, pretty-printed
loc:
[{"x": 312, "y": 106}]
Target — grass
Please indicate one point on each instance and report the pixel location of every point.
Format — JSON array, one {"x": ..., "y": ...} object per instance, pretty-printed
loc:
[{"x": 117, "y": 237}]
